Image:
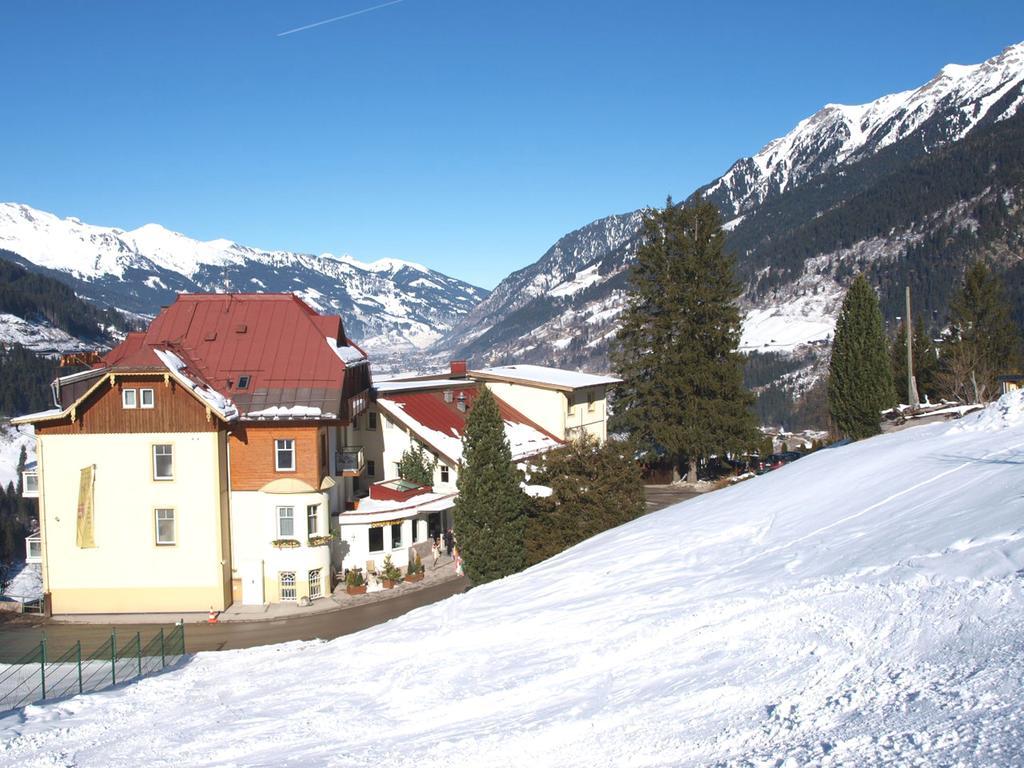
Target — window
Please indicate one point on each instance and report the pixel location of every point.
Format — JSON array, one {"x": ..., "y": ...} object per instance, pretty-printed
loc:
[
  {"x": 284, "y": 455},
  {"x": 128, "y": 398},
  {"x": 396, "y": 535},
  {"x": 146, "y": 398},
  {"x": 286, "y": 585},
  {"x": 243, "y": 382},
  {"x": 371, "y": 420},
  {"x": 355, "y": 422},
  {"x": 285, "y": 522},
  {"x": 311, "y": 512},
  {"x": 314, "y": 584},
  {"x": 163, "y": 462},
  {"x": 376, "y": 539},
  {"x": 590, "y": 402},
  {"x": 371, "y": 468},
  {"x": 444, "y": 473},
  {"x": 165, "y": 533},
  {"x": 415, "y": 531},
  {"x": 323, "y": 450}
]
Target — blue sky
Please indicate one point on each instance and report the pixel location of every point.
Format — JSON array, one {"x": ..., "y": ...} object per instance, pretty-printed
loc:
[{"x": 467, "y": 135}]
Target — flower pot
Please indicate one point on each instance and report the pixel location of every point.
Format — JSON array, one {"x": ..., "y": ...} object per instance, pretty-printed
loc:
[
  {"x": 356, "y": 590},
  {"x": 387, "y": 583},
  {"x": 415, "y": 577}
]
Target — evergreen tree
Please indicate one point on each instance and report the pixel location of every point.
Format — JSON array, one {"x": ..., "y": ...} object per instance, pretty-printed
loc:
[
  {"x": 490, "y": 508},
  {"x": 983, "y": 340},
  {"x": 417, "y": 466},
  {"x": 926, "y": 362},
  {"x": 676, "y": 348},
  {"x": 594, "y": 487},
  {"x": 860, "y": 382}
]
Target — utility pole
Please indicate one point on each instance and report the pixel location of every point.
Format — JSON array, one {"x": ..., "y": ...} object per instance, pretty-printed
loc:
[{"x": 911, "y": 384}]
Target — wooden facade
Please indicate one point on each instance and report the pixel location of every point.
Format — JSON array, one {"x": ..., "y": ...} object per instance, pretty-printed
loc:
[
  {"x": 253, "y": 463},
  {"x": 175, "y": 409}
]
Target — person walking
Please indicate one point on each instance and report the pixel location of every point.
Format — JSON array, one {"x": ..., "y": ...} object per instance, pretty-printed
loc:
[
  {"x": 435, "y": 550},
  {"x": 449, "y": 542},
  {"x": 458, "y": 561}
]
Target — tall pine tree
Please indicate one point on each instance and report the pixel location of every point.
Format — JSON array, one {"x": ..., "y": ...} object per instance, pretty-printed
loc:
[
  {"x": 491, "y": 506},
  {"x": 860, "y": 384},
  {"x": 983, "y": 340},
  {"x": 676, "y": 348}
]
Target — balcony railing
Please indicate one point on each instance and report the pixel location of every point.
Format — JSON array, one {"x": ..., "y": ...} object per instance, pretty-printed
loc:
[
  {"x": 349, "y": 461},
  {"x": 30, "y": 484}
]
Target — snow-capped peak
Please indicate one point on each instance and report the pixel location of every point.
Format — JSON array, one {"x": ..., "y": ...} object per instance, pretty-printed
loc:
[{"x": 966, "y": 95}]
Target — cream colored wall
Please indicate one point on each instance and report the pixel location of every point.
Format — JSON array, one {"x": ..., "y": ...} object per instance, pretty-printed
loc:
[
  {"x": 563, "y": 414},
  {"x": 396, "y": 441},
  {"x": 357, "y": 538},
  {"x": 254, "y": 527},
  {"x": 127, "y": 570}
]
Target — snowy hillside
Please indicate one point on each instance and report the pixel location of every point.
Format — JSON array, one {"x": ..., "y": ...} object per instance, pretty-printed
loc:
[
  {"x": 11, "y": 441},
  {"x": 387, "y": 304},
  {"x": 862, "y": 606}
]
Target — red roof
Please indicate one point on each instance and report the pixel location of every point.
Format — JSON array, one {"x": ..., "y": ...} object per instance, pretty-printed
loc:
[
  {"x": 277, "y": 340},
  {"x": 428, "y": 408}
]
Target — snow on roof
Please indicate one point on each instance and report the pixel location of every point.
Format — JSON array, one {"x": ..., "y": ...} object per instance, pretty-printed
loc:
[
  {"x": 382, "y": 510},
  {"x": 180, "y": 370},
  {"x": 384, "y": 387},
  {"x": 556, "y": 378},
  {"x": 440, "y": 424},
  {"x": 38, "y": 416},
  {"x": 348, "y": 355},
  {"x": 288, "y": 412}
]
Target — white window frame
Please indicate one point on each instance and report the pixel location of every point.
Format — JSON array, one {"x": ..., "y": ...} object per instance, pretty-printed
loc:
[
  {"x": 280, "y": 448},
  {"x": 174, "y": 526},
  {"x": 445, "y": 473},
  {"x": 278, "y": 517},
  {"x": 312, "y": 519},
  {"x": 369, "y": 543},
  {"x": 401, "y": 538},
  {"x": 283, "y": 587},
  {"x": 156, "y": 475},
  {"x": 142, "y": 398},
  {"x": 315, "y": 580},
  {"x": 129, "y": 399}
]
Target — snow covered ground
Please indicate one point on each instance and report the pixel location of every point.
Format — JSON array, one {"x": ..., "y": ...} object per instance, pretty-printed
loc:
[{"x": 862, "y": 606}]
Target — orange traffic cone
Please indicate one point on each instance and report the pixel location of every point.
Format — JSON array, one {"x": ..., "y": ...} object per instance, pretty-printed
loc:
[{"x": 213, "y": 616}]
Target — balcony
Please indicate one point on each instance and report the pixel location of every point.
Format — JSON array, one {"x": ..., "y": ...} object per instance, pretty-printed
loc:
[
  {"x": 30, "y": 484},
  {"x": 349, "y": 462}
]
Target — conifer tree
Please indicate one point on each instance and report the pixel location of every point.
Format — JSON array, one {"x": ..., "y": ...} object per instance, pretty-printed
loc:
[
  {"x": 490, "y": 509},
  {"x": 676, "y": 347},
  {"x": 594, "y": 487},
  {"x": 417, "y": 466},
  {"x": 983, "y": 340},
  {"x": 860, "y": 384}
]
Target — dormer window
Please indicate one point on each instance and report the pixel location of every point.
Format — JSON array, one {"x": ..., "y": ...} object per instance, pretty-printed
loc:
[{"x": 243, "y": 382}]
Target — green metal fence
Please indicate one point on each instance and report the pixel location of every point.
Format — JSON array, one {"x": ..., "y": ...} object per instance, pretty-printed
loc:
[{"x": 45, "y": 673}]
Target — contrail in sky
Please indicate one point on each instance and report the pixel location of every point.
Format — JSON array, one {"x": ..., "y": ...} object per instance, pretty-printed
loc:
[{"x": 338, "y": 18}]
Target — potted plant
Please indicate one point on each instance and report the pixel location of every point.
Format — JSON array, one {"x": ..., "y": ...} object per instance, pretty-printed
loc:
[
  {"x": 285, "y": 543},
  {"x": 319, "y": 541},
  {"x": 355, "y": 584},
  {"x": 415, "y": 570},
  {"x": 390, "y": 573}
]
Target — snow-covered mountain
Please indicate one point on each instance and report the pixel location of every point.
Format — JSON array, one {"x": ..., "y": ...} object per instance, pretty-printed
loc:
[
  {"x": 907, "y": 188},
  {"x": 863, "y": 606},
  {"x": 387, "y": 305},
  {"x": 946, "y": 108}
]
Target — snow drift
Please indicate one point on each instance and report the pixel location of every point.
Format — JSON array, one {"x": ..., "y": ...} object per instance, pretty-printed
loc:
[{"x": 862, "y": 606}]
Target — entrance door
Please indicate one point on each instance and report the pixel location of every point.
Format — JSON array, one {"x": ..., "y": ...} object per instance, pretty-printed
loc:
[{"x": 252, "y": 582}]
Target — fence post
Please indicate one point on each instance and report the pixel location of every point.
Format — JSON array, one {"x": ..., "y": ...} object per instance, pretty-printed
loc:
[
  {"x": 78, "y": 646},
  {"x": 138, "y": 650},
  {"x": 113, "y": 656},
  {"x": 42, "y": 664},
  {"x": 163, "y": 655}
]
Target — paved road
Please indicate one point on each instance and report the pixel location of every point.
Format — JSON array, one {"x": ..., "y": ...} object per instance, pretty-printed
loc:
[
  {"x": 17, "y": 638},
  {"x": 661, "y": 496}
]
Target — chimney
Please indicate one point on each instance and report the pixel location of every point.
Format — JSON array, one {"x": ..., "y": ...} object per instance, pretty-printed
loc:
[
  {"x": 461, "y": 402},
  {"x": 447, "y": 395},
  {"x": 458, "y": 369}
]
